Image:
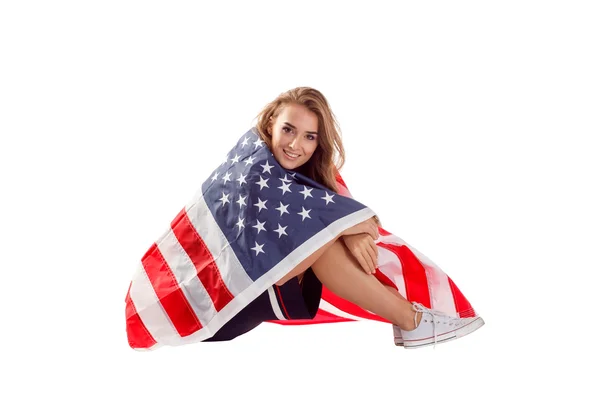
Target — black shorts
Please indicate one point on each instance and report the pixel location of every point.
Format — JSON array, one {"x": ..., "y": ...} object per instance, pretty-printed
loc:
[{"x": 292, "y": 300}]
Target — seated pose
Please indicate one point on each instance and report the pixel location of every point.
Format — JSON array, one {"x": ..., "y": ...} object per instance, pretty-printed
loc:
[{"x": 302, "y": 134}]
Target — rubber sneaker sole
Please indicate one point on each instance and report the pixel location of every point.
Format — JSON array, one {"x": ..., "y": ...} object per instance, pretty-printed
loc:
[
  {"x": 445, "y": 337},
  {"x": 398, "y": 341}
]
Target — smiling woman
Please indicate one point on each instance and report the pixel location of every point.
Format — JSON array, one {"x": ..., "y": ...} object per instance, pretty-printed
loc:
[
  {"x": 301, "y": 132},
  {"x": 245, "y": 251}
]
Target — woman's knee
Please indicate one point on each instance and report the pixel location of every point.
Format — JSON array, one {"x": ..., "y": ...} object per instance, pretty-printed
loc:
[{"x": 336, "y": 250}]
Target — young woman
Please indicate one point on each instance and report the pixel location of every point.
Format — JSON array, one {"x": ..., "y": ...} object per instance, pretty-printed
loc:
[{"x": 303, "y": 135}]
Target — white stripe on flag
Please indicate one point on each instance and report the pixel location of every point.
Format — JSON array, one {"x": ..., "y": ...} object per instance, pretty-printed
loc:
[
  {"x": 439, "y": 291},
  {"x": 233, "y": 274},
  {"x": 150, "y": 310},
  {"x": 330, "y": 308},
  {"x": 390, "y": 266},
  {"x": 186, "y": 275},
  {"x": 275, "y": 304}
]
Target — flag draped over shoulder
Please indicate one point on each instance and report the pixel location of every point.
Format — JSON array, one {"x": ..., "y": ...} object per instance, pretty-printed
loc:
[{"x": 250, "y": 223}]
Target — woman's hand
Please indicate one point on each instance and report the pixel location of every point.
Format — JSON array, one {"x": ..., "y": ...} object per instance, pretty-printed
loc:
[
  {"x": 369, "y": 226},
  {"x": 364, "y": 249}
]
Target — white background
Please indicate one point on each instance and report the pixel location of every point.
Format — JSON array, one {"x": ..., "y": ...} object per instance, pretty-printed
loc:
[{"x": 470, "y": 128}]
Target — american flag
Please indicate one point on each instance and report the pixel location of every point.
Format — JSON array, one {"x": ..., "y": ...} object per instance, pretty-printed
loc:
[{"x": 251, "y": 222}]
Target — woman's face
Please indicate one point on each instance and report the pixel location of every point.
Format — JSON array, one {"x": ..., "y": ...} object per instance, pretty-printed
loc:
[{"x": 294, "y": 133}]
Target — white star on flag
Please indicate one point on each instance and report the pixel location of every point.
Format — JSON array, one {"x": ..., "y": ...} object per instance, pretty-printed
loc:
[
  {"x": 245, "y": 142},
  {"x": 214, "y": 178},
  {"x": 257, "y": 143},
  {"x": 328, "y": 198},
  {"x": 261, "y": 204},
  {"x": 304, "y": 213},
  {"x": 262, "y": 183},
  {"x": 306, "y": 192},
  {"x": 282, "y": 209},
  {"x": 260, "y": 226},
  {"x": 226, "y": 177},
  {"x": 285, "y": 179},
  {"x": 257, "y": 248},
  {"x": 285, "y": 187},
  {"x": 242, "y": 179},
  {"x": 281, "y": 230},
  {"x": 235, "y": 159},
  {"x": 249, "y": 161},
  {"x": 225, "y": 198},
  {"x": 267, "y": 167},
  {"x": 240, "y": 223},
  {"x": 241, "y": 201}
]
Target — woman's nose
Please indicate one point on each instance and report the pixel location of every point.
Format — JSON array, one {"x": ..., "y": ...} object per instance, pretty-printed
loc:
[{"x": 292, "y": 144}]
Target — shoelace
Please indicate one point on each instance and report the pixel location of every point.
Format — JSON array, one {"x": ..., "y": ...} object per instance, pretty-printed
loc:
[{"x": 418, "y": 307}]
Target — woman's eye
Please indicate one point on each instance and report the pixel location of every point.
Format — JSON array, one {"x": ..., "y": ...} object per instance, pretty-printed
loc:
[
  {"x": 286, "y": 129},
  {"x": 311, "y": 137}
]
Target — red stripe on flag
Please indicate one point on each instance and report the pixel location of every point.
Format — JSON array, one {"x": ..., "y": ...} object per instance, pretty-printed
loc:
[
  {"x": 383, "y": 232},
  {"x": 137, "y": 333},
  {"x": 208, "y": 272},
  {"x": 326, "y": 316},
  {"x": 381, "y": 277},
  {"x": 322, "y": 317},
  {"x": 348, "y": 306},
  {"x": 169, "y": 293},
  {"x": 415, "y": 278},
  {"x": 463, "y": 307},
  {"x": 339, "y": 180}
]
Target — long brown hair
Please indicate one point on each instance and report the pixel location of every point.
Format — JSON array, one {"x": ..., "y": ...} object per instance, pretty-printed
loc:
[{"x": 329, "y": 155}]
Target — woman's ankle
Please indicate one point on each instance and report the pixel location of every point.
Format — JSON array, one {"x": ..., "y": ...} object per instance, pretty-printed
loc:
[{"x": 411, "y": 321}]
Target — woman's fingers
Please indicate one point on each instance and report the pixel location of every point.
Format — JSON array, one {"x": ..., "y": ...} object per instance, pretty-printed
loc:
[
  {"x": 368, "y": 257},
  {"x": 364, "y": 249},
  {"x": 376, "y": 250},
  {"x": 362, "y": 261},
  {"x": 372, "y": 230},
  {"x": 375, "y": 230},
  {"x": 363, "y": 258},
  {"x": 372, "y": 251}
]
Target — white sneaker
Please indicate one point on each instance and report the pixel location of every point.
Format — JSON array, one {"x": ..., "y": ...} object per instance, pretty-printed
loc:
[{"x": 436, "y": 327}]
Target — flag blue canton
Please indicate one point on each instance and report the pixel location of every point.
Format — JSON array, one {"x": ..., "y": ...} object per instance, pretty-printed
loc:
[{"x": 266, "y": 211}]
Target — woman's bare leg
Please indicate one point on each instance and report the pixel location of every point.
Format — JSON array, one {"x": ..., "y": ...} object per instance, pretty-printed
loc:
[{"x": 337, "y": 269}]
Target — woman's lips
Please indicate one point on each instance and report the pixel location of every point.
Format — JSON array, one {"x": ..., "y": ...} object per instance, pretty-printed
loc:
[{"x": 289, "y": 157}]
